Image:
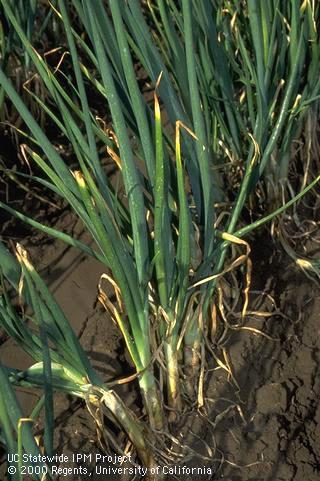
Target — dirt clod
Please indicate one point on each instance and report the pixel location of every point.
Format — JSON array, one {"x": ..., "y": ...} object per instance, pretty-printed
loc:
[{"x": 271, "y": 398}]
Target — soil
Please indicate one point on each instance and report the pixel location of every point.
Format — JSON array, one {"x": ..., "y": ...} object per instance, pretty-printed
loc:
[
  {"x": 262, "y": 423},
  {"x": 272, "y": 432}
]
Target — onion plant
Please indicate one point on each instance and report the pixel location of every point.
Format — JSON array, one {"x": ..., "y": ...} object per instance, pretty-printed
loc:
[
  {"x": 25, "y": 13},
  {"x": 60, "y": 362},
  {"x": 34, "y": 17},
  {"x": 16, "y": 430},
  {"x": 234, "y": 81}
]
